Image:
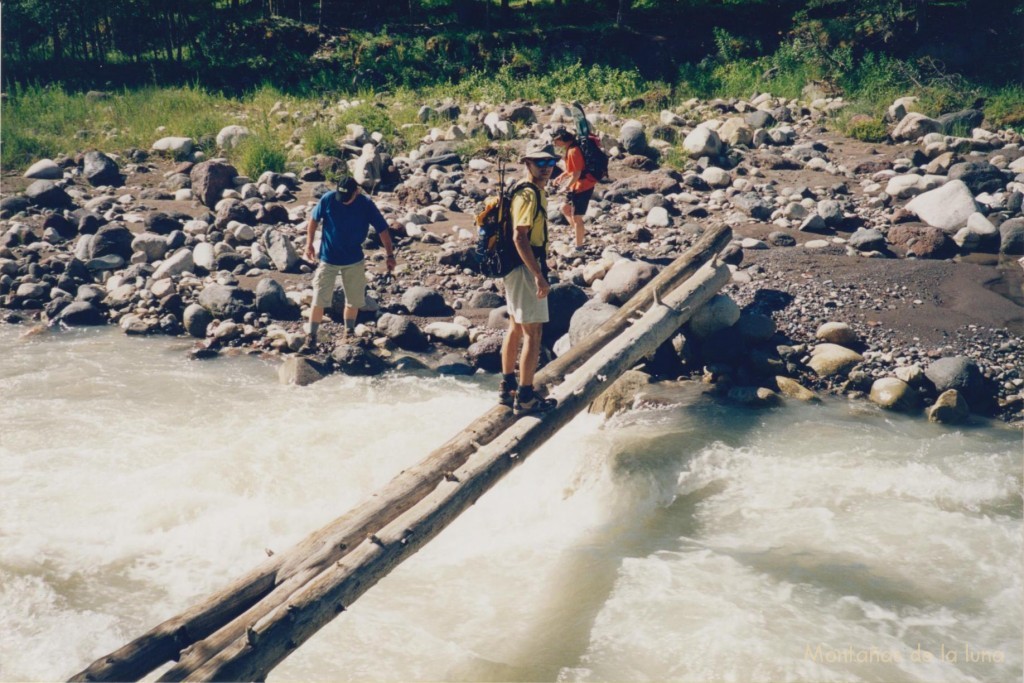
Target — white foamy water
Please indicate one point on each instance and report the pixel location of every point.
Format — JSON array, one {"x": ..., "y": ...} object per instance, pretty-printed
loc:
[{"x": 698, "y": 543}]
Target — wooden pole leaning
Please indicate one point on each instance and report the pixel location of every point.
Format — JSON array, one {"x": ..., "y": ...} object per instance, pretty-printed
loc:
[
  {"x": 252, "y": 596},
  {"x": 269, "y": 641}
]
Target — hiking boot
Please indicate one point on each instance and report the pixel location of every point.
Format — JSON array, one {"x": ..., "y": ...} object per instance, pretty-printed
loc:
[
  {"x": 507, "y": 394},
  {"x": 308, "y": 347},
  {"x": 532, "y": 405}
]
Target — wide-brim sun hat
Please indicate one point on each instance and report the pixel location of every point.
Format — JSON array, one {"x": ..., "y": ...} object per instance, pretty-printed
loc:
[{"x": 537, "y": 149}]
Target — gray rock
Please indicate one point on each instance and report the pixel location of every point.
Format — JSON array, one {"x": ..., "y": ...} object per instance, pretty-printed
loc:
[
  {"x": 173, "y": 266},
  {"x": 894, "y": 394},
  {"x": 44, "y": 169},
  {"x": 355, "y": 360},
  {"x": 755, "y": 327},
  {"x": 81, "y": 313},
  {"x": 454, "y": 364},
  {"x": 752, "y": 205},
  {"x": 233, "y": 210},
  {"x": 230, "y": 137},
  {"x": 836, "y": 333},
  {"x": 831, "y": 212},
  {"x": 702, "y": 142},
  {"x": 564, "y": 300},
  {"x": 162, "y": 224},
  {"x": 424, "y": 301},
  {"x": 784, "y": 239},
  {"x": 625, "y": 278},
  {"x": 112, "y": 238},
  {"x": 867, "y": 239},
  {"x": 485, "y": 354},
  {"x": 486, "y": 299},
  {"x": 178, "y": 147},
  {"x": 947, "y": 207},
  {"x": 196, "y": 319},
  {"x": 1011, "y": 237},
  {"x": 621, "y": 394},
  {"x": 960, "y": 373},
  {"x": 979, "y": 176},
  {"x": 961, "y": 122},
  {"x": 99, "y": 169},
  {"x": 402, "y": 332},
  {"x": 280, "y": 250},
  {"x": 152, "y": 245},
  {"x": 272, "y": 300},
  {"x": 225, "y": 301},
  {"x": 105, "y": 262},
  {"x": 210, "y": 179},
  {"x": 719, "y": 313},
  {"x": 449, "y": 334},
  {"x": 588, "y": 318},
  {"x": 300, "y": 371},
  {"x": 949, "y": 408},
  {"x": 47, "y": 194},
  {"x": 203, "y": 256},
  {"x": 915, "y": 126},
  {"x": 828, "y": 360},
  {"x": 632, "y": 136}
]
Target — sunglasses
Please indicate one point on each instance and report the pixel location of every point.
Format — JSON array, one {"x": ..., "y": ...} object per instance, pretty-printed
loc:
[{"x": 545, "y": 163}]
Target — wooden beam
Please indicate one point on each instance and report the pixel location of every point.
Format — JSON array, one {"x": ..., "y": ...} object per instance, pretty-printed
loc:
[
  {"x": 269, "y": 641},
  {"x": 249, "y": 598}
]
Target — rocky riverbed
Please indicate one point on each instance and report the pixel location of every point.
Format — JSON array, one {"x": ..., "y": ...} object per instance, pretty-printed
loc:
[{"x": 883, "y": 271}]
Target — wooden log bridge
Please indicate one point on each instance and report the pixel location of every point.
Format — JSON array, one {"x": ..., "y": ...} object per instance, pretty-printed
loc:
[{"x": 246, "y": 629}]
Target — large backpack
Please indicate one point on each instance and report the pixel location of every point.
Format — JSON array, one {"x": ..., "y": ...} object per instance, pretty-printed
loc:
[
  {"x": 595, "y": 161},
  {"x": 496, "y": 254}
]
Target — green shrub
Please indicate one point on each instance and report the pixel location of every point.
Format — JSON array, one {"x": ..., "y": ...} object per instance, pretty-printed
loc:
[
  {"x": 872, "y": 130},
  {"x": 258, "y": 153},
  {"x": 321, "y": 139},
  {"x": 1005, "y": 107}
]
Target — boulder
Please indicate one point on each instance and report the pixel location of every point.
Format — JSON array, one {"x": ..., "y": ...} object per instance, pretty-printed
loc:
[
  {"x": 867, "y": 239},
  {"x": 153, "y": 246},
  {"x": 716, "y": 177},
  {"x": 232, "y": 210},
  {"x": 230, "y": 137},
  {"x": 99, "y": 169},
  {"x": 914, "y": 126},
  {"x": 424, "y": 301},
  {"x": 828, "y": 360},
  {"x": 209, "y": 180},
  {"x": 702, "y": 142},
  {"x": 402, "y": 332},
  {"x": 632, "y": 136},
  {"x": 225, "y": 301},
  {"x": 47, "y": 194},
  {"x": 281, "y": 251},
  {"x": 658, "y": 217},
  {"x": 719, "y": 313},
  {"x": 961, "y": 123},
  {"x": 922, "y": 242},
  {"x": 454, "y": 364},
  {"x": 960, "y": 373},
  {"x": 44, "y": 169},
  {"x": 355, "y": 360},
  {"x": 196, "y": 319},
  {"x": 300, "y": 371},
  {"x": 203, "y": 256},
  {"x": 947, "y": 207},
  {"x": 949, "y": 408},
  {"x": 1011, "y": 237},
  {"x": 564, "y": 299},
  {"x": 625, "y": 278},
  {"x": 755, "y": 327},
  {"x": 449, "y": 334},
  {"x": 621, "y": 394},
  {"x": 485, "y": 353},
  {"x": 162, "y": 224},
  {"x": 178, "y": 147},
  {"x": 272, "y": 300},
  {"x": 588, "y": 318},
  {"x": 979, "y": 176},
  {"x": 790, "y": 388},
  {"x": 753, "y": 205},
  {"x": 736, "y": 131},
  {"x": 173, "y": 266},
  {"x": 111, "y": 239},
  {"x": 81, "y": 313},
  {"x": 911, "y": 185},
  {"x": 894, "y": 394},
  {"x": 837, "y": 333}
]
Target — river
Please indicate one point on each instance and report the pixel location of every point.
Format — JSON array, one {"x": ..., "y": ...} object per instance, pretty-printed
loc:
[{"x": 690, "y": 542}]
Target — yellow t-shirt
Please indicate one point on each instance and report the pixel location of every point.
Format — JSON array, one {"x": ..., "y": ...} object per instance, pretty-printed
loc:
[{"x": 524, "y": 207}]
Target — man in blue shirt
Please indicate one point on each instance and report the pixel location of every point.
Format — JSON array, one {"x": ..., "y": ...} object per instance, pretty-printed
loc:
[{"x": 346, "y": 214}]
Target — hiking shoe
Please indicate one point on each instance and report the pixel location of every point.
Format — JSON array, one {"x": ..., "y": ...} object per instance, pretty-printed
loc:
[
  {"x": 308, "y": 347},
  {"x": 507, "y": 394},
  {"x": 533, "y": 405}
]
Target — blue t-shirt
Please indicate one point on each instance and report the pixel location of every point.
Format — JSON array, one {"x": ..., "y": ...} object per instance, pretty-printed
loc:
[{"x": 346, "y": 227}]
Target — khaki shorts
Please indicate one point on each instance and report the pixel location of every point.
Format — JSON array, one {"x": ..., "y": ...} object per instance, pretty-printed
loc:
[
  {"x": 353, "y": 282},
  {"x": 521, "y": 296}
]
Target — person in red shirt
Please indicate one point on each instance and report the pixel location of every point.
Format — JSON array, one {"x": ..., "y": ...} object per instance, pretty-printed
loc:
[{"x": 581, "y": 184}]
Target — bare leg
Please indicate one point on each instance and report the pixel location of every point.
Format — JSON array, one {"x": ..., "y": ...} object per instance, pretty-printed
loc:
[
  {"x": 510, "y": 347},
  {"x": 577, "y": 223},
  {"x": 531, "y": 353}
]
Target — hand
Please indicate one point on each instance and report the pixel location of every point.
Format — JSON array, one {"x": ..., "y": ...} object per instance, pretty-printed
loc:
[
  {"x": 542, "y": 286},
  {"x": 390, "y": 263},
  {"x": 309, "y": 255}
]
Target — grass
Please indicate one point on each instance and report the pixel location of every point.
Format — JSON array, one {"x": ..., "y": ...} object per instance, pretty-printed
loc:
[{"x": 44, "y": 121}]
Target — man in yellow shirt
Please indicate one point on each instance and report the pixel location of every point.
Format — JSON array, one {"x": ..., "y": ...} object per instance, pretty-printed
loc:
[{"x": 526, "y": 287}]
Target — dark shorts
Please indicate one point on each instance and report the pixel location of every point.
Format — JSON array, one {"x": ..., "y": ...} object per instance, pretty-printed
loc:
[{"x": 580, "y": 200}]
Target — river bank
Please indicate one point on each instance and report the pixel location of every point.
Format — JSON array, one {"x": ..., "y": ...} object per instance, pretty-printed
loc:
[{"x": 805, "y": 206}]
